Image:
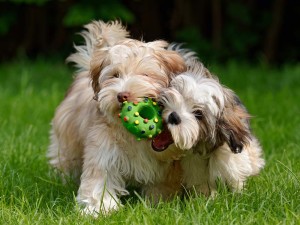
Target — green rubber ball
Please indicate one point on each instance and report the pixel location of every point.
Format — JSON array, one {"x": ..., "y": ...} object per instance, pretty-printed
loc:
[{"x": 143, "y": 119}]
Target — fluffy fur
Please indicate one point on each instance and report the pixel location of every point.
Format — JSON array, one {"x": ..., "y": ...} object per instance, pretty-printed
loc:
[
  {"x": 209, "y": 122},
  {"x": 87, "y": 137}
]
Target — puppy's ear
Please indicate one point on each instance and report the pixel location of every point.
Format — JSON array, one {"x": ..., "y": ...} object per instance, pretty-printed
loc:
[
  {"x": 171, "y": 62},
  {"x": 98, "y": 62},
  {"x": 233, "y": 126},
  {"x": 174, "y": 63}
]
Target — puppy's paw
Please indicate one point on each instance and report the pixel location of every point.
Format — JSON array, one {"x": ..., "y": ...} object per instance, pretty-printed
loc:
[
  {"x": 104, "y": 207},
  {"x": 238, "y": 187},
  {"x": 213, "y": 194}
]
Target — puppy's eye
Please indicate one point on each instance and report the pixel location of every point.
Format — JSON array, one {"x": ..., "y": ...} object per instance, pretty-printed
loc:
[
  {"x": 116, "y": 75},
  {"x": 198, "y": 114},
  {"x": 160, "y": 104}
]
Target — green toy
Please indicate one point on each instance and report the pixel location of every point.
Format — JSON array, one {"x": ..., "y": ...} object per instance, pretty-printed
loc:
[{"x": 143, "y": 119}]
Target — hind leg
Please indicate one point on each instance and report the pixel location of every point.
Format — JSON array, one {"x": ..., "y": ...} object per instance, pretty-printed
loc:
[
  {"x": 234, "y": 169},
  {"x": 65, "y": 156}
]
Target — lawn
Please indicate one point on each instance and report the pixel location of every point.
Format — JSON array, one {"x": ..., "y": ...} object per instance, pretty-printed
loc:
[{"x": 30, "y": 193}]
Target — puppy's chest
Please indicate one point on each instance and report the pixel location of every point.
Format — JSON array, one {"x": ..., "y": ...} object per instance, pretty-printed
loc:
[
  {"x": 135, "y": 151},
  {"x": 136, "y": 161},
  {"x": 203, "y": 149}
]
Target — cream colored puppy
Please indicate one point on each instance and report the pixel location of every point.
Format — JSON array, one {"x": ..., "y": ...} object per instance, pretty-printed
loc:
[{"x": 87, "y": 137}]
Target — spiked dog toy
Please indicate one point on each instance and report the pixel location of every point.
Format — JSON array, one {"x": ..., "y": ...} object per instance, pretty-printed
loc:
[{"x": 143, "y": 119}]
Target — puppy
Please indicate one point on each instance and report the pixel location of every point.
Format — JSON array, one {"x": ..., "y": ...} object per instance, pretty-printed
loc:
[
  {"x": 211, "y": 124},
  {"x": 87, "y": 137}
]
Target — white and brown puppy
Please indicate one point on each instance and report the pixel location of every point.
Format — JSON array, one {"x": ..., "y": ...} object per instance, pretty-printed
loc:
[
  {"x": 87, "y": 137},
  {"x": 209, "y": 121}
]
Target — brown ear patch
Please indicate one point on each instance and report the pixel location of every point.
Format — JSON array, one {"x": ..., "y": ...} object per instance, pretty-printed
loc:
[
  {"x": 98, "y": 62},
  {"x": 233, "y": 128},
  {"x": 172, "y": 62}
]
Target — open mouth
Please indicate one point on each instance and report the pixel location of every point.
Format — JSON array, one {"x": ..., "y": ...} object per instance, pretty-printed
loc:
[{"x": 163, "y": 140}]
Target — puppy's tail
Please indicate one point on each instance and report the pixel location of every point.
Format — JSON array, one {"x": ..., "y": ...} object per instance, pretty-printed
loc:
[{"x": 97, "y": 35}]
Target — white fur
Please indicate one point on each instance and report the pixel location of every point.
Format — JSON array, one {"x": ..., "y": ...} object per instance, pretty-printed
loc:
[
  {"x": 185, "y": 96},
  {"x": 204, "y": 164}
]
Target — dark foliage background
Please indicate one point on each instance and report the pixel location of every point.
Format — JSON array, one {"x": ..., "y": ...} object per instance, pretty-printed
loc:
[{"x": 219, "y": 30}]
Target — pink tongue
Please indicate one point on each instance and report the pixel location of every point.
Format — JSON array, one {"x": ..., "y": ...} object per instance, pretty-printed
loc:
[{"x": 162, "y": 141}]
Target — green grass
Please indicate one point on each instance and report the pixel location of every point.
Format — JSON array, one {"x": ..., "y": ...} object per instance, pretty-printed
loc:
[{"x": 30, "y": 193}]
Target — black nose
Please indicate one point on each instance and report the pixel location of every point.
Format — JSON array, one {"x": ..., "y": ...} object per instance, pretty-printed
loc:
[{"x": 174, "y": 118}]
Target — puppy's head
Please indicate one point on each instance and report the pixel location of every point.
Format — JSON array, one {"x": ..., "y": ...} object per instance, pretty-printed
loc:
[
  {"x": 131, "y": 70},
  {"x": 198, "y": 110}
]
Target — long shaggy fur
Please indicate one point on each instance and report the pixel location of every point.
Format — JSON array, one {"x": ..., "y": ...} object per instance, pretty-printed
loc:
[
  {"x": 209, "y": 125},
  {"x": 212, "y": 127},
  {"x": 87, "y": 137}
]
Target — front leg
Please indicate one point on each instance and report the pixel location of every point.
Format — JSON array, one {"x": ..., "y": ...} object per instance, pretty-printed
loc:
[
  {"x": 97, "y": 192},
  {"x": 167, "y": 188},
  {"x": 101, "y": 180},
  {"x": 195, "y": 174}
]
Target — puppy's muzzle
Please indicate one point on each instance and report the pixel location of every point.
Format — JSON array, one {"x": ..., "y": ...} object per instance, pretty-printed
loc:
[
  {"x": 174, "y": 119},
  {"x": 164, "y": 139}
]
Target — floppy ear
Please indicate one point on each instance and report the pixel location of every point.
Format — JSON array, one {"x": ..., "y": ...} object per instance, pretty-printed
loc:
[
  {"x": 171, "y": 62},
  {"x": 98, "y": 62},
  {"x": 233, "y": 126}
]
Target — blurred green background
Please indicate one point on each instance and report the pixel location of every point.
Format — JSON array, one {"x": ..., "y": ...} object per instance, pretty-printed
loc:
[
  {"x": 252, "y": 45},
  {"x": 219, "y": 30}
]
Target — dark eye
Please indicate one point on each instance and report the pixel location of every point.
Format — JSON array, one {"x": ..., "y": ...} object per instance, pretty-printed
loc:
[
  {"x": 160, "y": 104},
  {"x": 116, "y": 75},
  {"x": 198, "y": 114}
]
